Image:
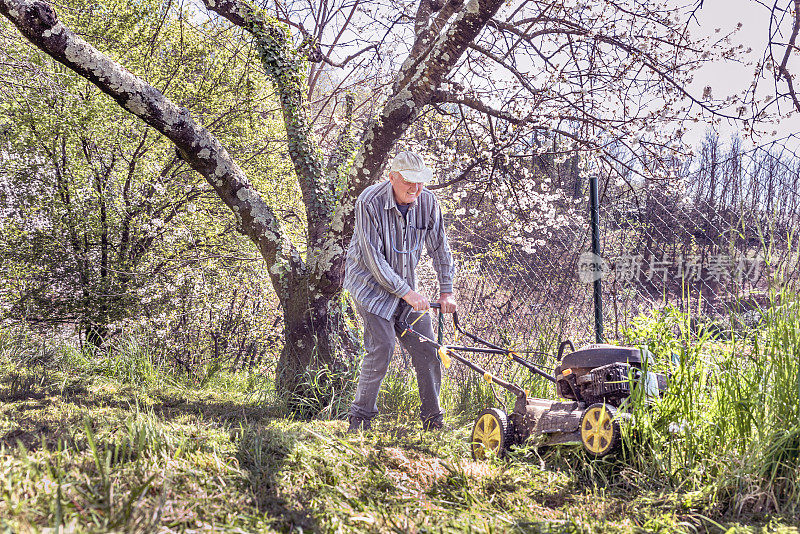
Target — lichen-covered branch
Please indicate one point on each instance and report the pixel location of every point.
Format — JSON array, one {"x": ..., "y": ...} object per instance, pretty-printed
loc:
[
  {"x": 286, "y": 68},
  {"x": 426, "y": 31},
  {"x": 336, "y": 169},
  {"x": 38, "y": 22},
  {"x": 325, "y": 260}
]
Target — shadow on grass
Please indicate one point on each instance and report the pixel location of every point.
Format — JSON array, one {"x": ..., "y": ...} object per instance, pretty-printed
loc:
[
  {"x": 16, "y": 386},
  {"x": 43, "y": 411},
  {"x": 21, "y": 392},
  {"x": 262, "y": 453}
]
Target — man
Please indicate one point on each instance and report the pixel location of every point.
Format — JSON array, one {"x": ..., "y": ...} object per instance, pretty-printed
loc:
[{"x": 393, "y": 220}]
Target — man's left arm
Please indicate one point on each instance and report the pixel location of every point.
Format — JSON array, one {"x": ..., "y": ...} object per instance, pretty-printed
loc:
[{"x": 443, "y": 263}]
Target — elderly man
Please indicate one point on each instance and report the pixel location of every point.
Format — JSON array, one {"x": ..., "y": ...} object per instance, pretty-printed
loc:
[{"x": 393, "y": 220}]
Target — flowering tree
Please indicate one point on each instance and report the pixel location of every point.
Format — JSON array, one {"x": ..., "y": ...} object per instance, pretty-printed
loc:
[
  {"x": 601, "y": 76},
  {"x": 100, "y": 217}
]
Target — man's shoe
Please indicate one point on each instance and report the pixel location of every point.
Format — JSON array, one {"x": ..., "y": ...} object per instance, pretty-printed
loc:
[
  {"x": 358, "y": 424},
  {"x": 432, "y": 424}
]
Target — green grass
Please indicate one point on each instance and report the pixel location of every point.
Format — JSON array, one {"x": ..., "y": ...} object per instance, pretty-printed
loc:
[
  {"x": 729, "y": 427},
  {"x": 101, "y": 442}
]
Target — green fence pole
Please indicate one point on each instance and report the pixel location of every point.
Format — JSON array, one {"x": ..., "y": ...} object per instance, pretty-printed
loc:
[{"x": 594, "y": 208}]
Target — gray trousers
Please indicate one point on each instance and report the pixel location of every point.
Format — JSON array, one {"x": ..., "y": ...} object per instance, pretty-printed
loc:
[{"x": 379, "y": 340}]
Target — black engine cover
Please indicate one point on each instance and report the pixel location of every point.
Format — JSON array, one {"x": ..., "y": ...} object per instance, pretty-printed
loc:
[
  {"x": 592, "y": 356},
  {"x": 597, "y": 373}
]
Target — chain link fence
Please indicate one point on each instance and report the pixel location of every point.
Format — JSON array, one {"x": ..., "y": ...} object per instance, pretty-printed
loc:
[{"x": 710, "y": 238}]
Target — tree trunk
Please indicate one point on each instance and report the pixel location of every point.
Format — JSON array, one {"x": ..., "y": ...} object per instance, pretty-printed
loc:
[{"x": 318, "y": 361}]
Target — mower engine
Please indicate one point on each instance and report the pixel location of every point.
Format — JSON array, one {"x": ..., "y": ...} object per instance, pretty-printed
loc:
[{"x": 604, "y": 373}]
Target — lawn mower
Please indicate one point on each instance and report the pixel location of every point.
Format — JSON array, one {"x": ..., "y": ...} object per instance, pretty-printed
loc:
[{"x": 593, "y": 382}]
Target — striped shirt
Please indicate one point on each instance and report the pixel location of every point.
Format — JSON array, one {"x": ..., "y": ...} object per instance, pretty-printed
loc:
[{"x": 386, "y": 247}]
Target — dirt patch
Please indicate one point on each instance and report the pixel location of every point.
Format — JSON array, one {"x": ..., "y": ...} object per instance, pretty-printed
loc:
[{"x": 412, "y": 473}]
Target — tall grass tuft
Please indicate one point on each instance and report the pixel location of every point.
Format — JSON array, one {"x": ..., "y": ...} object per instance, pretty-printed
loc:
[
  {"x": 399, "y": 394},
  {"x": 322, "y": 393},
  {"x": 467, "y": 397},
  {"x": 125, "y": 360},
  {"x": 729, "y": 423}
]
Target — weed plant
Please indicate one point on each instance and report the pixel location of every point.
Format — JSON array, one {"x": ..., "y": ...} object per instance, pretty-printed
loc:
[
  {"x": 727, "y": 428},
  {"x": 322, "y": 393}
]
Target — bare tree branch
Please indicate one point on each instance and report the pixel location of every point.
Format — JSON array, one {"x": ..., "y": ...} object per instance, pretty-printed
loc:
[
  {"x": 791, "y": 46},
  {"x": 349, "y": 58},
  {"x": 442, "y": 96},
  {"x": 564, "y": 27},
  {"x": 461, "y": 176}
]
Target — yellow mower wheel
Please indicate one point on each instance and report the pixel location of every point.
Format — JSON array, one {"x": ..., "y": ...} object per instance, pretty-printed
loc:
[
  {"x": 600, "y": 433},
  {"x": 491, "y": 434}
]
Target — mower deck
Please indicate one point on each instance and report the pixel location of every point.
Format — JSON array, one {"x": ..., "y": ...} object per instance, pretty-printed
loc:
[{"x": 554, "y": 422}]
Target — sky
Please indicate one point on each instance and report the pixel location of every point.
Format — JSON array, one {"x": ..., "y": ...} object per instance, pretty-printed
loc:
[{"x": 733, "y": 77}]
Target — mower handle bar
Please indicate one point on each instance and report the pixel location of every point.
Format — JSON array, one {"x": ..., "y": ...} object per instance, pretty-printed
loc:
[
  {"x": 434, "y": 305},
  {"x": 522, "y": 361}
]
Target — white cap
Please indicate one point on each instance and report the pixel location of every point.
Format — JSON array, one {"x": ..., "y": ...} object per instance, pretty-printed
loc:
[{"x": 412, "y": 167}]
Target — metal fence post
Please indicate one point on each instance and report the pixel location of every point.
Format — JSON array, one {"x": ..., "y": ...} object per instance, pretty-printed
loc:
[{"x": 594, "y": 208}]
